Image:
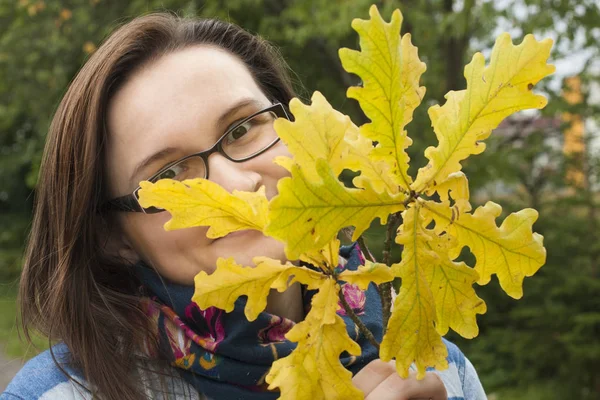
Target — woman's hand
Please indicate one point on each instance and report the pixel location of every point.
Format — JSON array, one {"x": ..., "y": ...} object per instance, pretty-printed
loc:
[{"x": 380, "y": 381}]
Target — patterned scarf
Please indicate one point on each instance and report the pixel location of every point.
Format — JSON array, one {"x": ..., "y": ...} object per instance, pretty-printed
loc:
[{"x": 223, "y": 355}]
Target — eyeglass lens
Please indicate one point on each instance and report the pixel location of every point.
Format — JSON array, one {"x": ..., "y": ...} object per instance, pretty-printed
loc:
[{"x": 241, "y": 142}]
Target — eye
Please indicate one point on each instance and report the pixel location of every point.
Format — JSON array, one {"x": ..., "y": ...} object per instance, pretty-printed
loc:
[
  {"x": 172, "y": 172},
  {"x": 238, "y": 132}
]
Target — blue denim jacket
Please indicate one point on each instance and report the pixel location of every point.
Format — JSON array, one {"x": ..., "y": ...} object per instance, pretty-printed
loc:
[{"x": 41, "y": 378}]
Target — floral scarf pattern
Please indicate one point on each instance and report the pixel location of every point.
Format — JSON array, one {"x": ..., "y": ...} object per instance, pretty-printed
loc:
[{"x": 225, "y": 356}]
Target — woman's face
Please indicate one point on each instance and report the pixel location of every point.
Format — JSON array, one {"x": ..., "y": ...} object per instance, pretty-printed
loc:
[{"x": 175, "y": 106}]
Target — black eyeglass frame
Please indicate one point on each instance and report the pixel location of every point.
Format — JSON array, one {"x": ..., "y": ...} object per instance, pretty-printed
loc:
[{"x": 129, "y": 203}]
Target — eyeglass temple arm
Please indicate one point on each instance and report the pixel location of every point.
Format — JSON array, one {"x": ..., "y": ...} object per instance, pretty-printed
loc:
[{"x": 124, "y": 203}]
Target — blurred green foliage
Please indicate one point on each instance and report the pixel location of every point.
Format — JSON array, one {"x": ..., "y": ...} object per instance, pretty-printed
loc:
[
  {"x": 544, "y": 346},
  {"x": 10, "y": 340}
]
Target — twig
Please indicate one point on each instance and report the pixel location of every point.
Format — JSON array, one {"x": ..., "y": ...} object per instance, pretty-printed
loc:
[
  {"x": 389, "y": 233},
  {"x": 361, "y": 326},
  {"x": 385, "y": 289},
  {"x": 365, "y": 249}
]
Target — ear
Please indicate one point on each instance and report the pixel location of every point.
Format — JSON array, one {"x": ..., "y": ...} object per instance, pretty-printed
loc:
[
  {"x": 115, "y": 243},
  {"x": 125, "y": 250}
]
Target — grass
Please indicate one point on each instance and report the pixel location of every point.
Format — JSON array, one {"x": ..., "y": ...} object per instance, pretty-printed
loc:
[{"x": 10, "y": 344}]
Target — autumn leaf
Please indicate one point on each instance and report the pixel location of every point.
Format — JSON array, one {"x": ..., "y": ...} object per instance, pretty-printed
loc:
[
  {"x": 200, "y": 202},
  {"x": 326, "y": 258},
  {"x": 373, "y": 173},
  {"x": 230, "y": 281},
  {"x": 306, "y": 214},
  {"x": 313, "y": 371},
  {"x": 390, "y": 70},
  {"x": 511, "y": 251},
  {"x": 365, "y": 274},
  {"x": 284, "y": 161},
  {"x": 492, "y": 94},
  {"x": 451, "y": 282},
  {"x": 318, "y": 131},
  {"x": 411, "y": 335},
  {"x": 436, "y": 294},
  {"x": 456, "y": 187},
  {"x": 258, "y": 202}
]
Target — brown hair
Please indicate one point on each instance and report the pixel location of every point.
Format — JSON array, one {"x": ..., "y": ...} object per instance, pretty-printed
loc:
[{"x": 71, "y": 289}]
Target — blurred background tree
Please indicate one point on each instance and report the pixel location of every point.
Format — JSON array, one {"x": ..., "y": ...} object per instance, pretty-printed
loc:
[{"x": 546, "y": 345}]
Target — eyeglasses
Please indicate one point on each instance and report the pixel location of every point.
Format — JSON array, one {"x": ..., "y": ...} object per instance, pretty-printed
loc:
[{"x": 245, "y": 140}]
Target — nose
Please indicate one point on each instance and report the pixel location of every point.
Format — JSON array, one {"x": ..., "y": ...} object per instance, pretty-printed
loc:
[{"x": 232, "y": 175}]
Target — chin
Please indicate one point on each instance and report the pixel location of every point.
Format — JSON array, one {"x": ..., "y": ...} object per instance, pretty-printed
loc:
[{"x": 243, "y": 246}]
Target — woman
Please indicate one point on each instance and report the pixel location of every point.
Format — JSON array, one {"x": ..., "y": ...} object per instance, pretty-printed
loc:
[{"x": 102, "y": 276}]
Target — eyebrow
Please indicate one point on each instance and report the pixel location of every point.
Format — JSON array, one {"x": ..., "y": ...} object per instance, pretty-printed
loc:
[
  {"x": 239, "y": 105},
  {"x": 222, "y": 120},
  {"x": 150, "y": 160}
]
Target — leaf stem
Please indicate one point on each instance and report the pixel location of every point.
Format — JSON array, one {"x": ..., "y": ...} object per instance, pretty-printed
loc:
[{"x": 361, "y": 326}]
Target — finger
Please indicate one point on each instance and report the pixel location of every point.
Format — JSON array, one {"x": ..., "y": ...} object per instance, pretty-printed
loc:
[
  {"x": 430, "y": 387},
  {"x": 372, "y": 375},
  {"x": 396, "y": 388}
]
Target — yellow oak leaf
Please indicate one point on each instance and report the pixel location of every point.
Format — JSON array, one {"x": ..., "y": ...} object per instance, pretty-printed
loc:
[
  {"x": 259, "y": 203},
  {"x": 326, "y": 258},
  {"x": 375, "y": 173},
  {"x": 451, "y": 283},
  {"x": 455, "y": 186},
  {"x": 492, "y": 94},
  {"x": 317, "y": 131},
  {"x": 200, "y": 202},
  {"x": 456, "y": 302},
  {"x": 285, "y": 162},
  {"x": 323, "y": 310},
  {"x": 511, "y": 251},
  {"x": 390, "y": 70},
  {"x": 313, "y": 371},
  {"x": 411, "y": 335},
  {"x": 230, "y": 280},
  {"x": 306, "y": 215},
  {"x": 365, "y": 274}
]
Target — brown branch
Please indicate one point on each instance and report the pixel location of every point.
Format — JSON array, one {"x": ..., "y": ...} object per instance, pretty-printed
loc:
[
  {"x": 365, "y": 249},
  {"x": 385, "y": 289},
  {"x": 387, "y": 245},
  {"x": 361, "y": 326}
]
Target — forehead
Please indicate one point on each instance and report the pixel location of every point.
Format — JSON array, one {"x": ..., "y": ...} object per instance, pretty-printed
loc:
[
  {"x": 164, "y": 91},
  {"x": 174, "y": 101}
]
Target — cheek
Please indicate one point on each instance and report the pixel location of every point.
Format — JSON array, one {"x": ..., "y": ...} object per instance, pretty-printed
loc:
[
  {"x": 177, "y": 255},
  {"x": 180, "y": 255}
]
